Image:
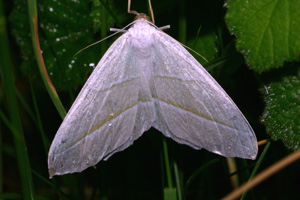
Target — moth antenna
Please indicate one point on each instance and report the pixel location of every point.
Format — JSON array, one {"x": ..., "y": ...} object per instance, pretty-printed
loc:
[
  {"x": 151, "y": 11},
  {"x": 194, "y": 51},
  {"x": 112, "y": 29},
  {"x": 137, "y": 14}
]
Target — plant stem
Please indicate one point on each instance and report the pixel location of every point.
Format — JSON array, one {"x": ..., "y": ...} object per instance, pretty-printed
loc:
[
  {"x": 33, "y": 21},
  {"x": 167, "y": 163}
]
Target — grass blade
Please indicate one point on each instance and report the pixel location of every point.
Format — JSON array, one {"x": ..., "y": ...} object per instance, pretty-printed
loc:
[
  {"x": 9, "y": 88},
  {"x": 33, "y": 21}
]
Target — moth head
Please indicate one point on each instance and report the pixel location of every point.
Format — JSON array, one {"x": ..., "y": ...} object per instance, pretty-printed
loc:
[{"x": 142, "y": 15}]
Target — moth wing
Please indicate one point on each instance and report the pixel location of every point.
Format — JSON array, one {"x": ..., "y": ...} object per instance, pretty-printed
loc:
[
  {"x": 107, "y": 116},
  {"x": 192, "y": 108}
]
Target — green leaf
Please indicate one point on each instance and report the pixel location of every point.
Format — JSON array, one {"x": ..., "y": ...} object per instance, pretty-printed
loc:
[
  {"x": 267, "y": 31},
  {"x": 282, "y": 113},
  {"x": 65, "y": 27}
]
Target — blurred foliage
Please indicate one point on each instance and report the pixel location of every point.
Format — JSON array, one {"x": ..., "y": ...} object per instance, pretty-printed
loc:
[{"x": 65, "y": 27}]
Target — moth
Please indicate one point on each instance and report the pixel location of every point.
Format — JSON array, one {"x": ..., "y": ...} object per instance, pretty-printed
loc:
[{"x": 148, "y": 79}]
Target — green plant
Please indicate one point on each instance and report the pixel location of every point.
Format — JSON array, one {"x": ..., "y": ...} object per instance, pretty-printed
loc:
[{"x": 252, "y": 48}]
